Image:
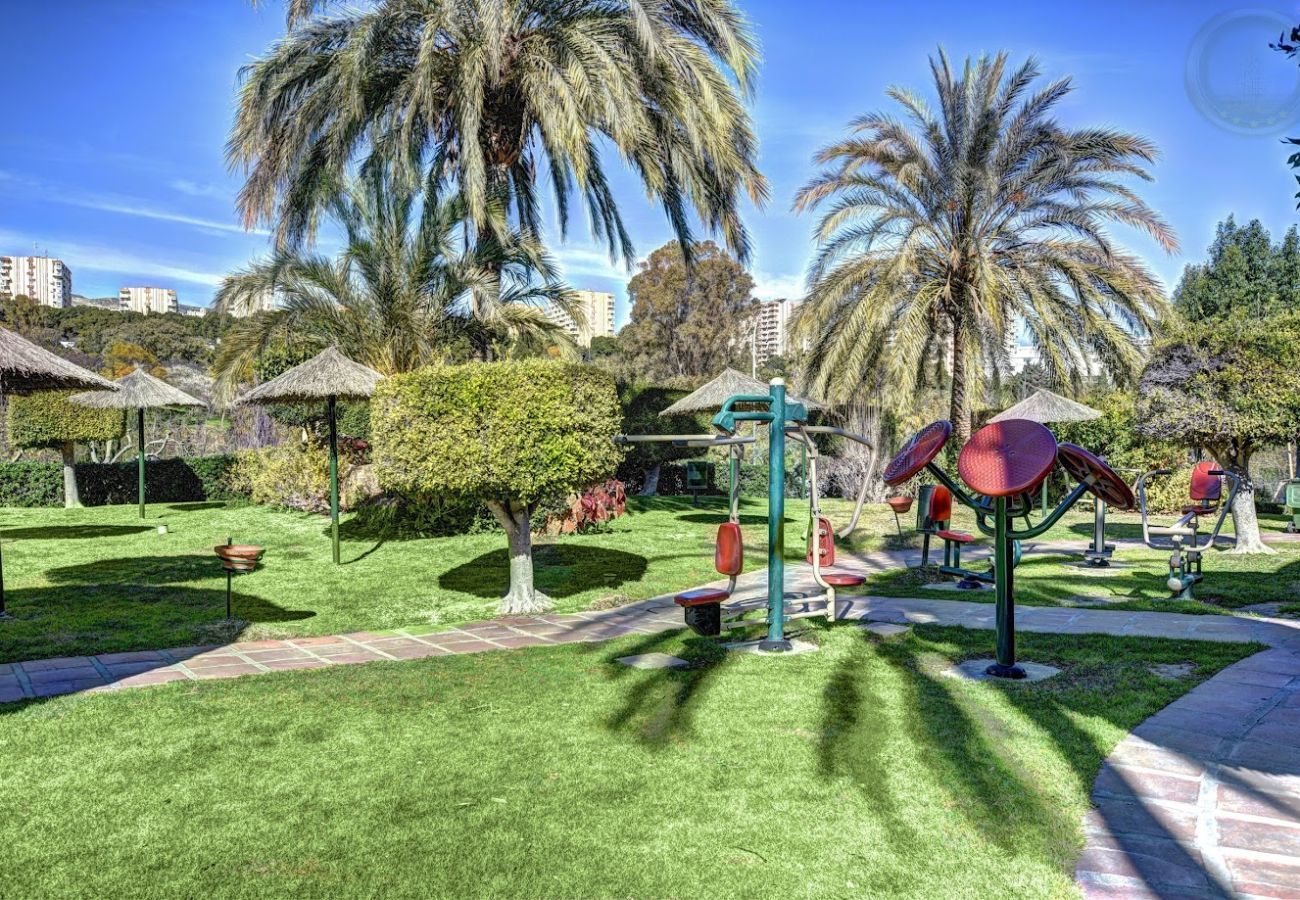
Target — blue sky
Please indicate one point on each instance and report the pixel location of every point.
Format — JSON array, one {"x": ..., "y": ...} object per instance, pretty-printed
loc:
[{"x": 117, "y": 164}]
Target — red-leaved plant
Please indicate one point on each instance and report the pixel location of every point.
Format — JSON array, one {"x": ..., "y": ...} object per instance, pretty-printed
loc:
[{"x": 593, "y": 507}]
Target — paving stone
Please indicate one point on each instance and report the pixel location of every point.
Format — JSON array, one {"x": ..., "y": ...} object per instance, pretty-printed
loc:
[
  {"x": 1273, "y": 836},
  {"x": 1153, "y": 870},
  {"x": 356, "y": 656},
  {"x": 1265, "y": 877},
  {"x": 10, "y": 693},
  {"x": 156, "y": 676},
  {"x": 80, "y": 673},
  {"x": 63, "y": 662},
  {"x": 280, "y": 653},
  {"x": 1276, "y": 758},
  {"x": 1244, "y": 800},
  {"x": 289, "y": 664},
  {"x": 1120, "y": 818},
  {"x": 226, "y": 671},
  {"x": 652, "y": 661},
  {"x": 1172, "y": 671},
  {"x": 195, "y": 663},
  {"x": 1131, "y": 783},
  {"x": 135, "y": 656},
  {"x": 122, "y": 670}
]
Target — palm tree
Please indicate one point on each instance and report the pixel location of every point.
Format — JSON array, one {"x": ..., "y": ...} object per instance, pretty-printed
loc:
[
  {"x": 487, "y": 93},
  {"x": 404, "y": 292},
  {"x": 950, "y": 229}
]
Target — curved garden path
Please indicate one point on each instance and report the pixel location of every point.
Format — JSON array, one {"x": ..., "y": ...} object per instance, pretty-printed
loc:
[{"x": 1201, "y": 800}]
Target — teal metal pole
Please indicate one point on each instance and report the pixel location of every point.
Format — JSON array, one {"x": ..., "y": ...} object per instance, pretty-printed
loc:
[
  {"x": 1004, "y": 587},
  {"x": 334, "y": 481},
  {"x": 139, "y": 430},
  {"x": 776, "y": 522},
  {"x": 1044, "y": 498}
]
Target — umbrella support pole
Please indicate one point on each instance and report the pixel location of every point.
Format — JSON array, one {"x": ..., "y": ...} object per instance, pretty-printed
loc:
[
  {"x": 334, "y": 480},
  {"x": 139, "y": 432}
]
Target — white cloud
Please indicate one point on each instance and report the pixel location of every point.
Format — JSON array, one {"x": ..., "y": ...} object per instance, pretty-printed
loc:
[
  {"x": 768, "y": 286},
  {"x": 126, "y": 206},
  {"x": 97, "y": 258},
  {"x": 198, "y": 189},
  {"x": 590, "y": 262}
]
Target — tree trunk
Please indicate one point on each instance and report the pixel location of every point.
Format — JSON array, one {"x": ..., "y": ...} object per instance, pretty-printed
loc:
[
  {"x": 1244, "y": 521},
  {"x": 71, "y": 496},
  {"x": 958, "y": 408},
  {"x": 522, "y": 598},
  {"x": 651, "y": 486}
]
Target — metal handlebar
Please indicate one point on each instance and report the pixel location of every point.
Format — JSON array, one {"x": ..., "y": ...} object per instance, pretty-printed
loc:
[{"x": 1181, "y": 529}]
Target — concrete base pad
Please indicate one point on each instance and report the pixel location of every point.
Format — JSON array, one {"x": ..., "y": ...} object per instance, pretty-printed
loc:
[
  {"x": 1172, "y": 671},
  {"x": 952, "y": 586},
  {"x": 796, "y": 647},
  {"x": 973, "y": 670},
  {"x": 1082, "y": 568},
  {"x": 886, "y": 631},
  {"x": 652, "y": 661}
]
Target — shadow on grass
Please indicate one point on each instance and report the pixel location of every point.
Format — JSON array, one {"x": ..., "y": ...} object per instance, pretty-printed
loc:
[
  {"x": 659, "y": 708},
  {"x": 82, "y": 619},
  {"x": 139, "y": 570},
  {"x": 721, "y": 516},
  {"x": 60, "y": 532},
  {"x": 560, "y": 570},
  {"x": 197, "y": 506}
]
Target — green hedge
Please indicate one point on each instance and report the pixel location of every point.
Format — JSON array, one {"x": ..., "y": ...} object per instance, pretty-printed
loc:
[{"x": 180, "y": 480}]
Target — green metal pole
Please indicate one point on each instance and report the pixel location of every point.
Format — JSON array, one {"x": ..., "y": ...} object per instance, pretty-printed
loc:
[
  {"x": 139, "y": 429},
  {"x": 776, "y": 522},
  {"x": 1044, "y": 498},
  {"x": 1004, "y": 589},
  {"x": 334, "y": 481}
]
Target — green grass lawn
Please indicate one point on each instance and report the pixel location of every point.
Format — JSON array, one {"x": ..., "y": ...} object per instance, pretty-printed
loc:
[
  {"x": 99, "y": 580},
  {"x": 1231, "y": 581},
  {"x": 859, "y": 770}
]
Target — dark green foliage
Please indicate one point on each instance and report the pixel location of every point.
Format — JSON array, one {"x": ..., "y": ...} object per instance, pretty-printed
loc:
[
  {"x": 48, "y": 420},
  {"x": 178, "y": 480},
  {"x": 1117, "y": 437},
  {"x": 509, "y": 430},
  {"x": 641, "y": 404},
  {"x": 1246, "y": 273}
]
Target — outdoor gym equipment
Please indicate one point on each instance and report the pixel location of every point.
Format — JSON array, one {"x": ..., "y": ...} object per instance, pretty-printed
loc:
[
  {"x": 1183, "y": 537},
  {"x": 1292, "y": 498},
  {"x": 1005, "y": 463},
  {"x": 933, "y": 516},
  {"x": 1098, "y": 553},
  {"x": 703, "y": 607}
]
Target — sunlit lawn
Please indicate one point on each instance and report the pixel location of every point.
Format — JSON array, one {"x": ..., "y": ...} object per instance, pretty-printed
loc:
[
  {"x": 859, "y": 770},
  {"x": 99, "y": 580}
]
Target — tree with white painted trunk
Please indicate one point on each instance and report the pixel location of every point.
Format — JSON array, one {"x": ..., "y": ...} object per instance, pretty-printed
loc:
[
  {"x": 1227, "y": 385},
  {"x": 511, "y": 434}
]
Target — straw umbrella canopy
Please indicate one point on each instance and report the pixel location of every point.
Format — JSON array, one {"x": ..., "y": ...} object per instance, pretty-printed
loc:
[
  {"x": 138, "y": 391},
  {"x": 26, "y": 369},
  {"x": 1045, "y": 406},
  {"x": 328, "y": 376},
  {"x": 715, "y": 393}
]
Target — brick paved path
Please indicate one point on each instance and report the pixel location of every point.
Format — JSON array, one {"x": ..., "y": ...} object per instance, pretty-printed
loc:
[{"x": 1202, "y": 800}]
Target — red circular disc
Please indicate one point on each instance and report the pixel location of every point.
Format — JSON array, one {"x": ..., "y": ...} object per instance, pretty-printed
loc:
[
  {"x": 1008, "y": 457},
  {"x": 918, "y": 452},
  {"x": 1091, "y": 471}
]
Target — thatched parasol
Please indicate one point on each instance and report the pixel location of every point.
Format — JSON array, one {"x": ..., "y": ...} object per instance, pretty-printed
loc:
[
  {"x": 328, "y": 376},
  {"x": 1045, "y": 407},
  {"x": 730, "y": 383},
  {"x": 25, "y": 369},
  {"x": 138, "y": 391}
]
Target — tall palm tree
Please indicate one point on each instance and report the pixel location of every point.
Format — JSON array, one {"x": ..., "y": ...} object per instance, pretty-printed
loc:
[
  {"x": 404, "y": 291},
  {"x": 489, "y": 93},
  {"x": 948, "y": 230}
]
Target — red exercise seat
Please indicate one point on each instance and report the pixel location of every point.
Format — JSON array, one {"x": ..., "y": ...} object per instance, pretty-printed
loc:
[
  {"x": 843, "y": 579},
  {"x": 701, "y": 596},
  {"x": 959, "y": 537}
]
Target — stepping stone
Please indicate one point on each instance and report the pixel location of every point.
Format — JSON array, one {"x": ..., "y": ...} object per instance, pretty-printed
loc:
[
  {"x": 886, "y": 631},
  {"x": 796, "y": 647},
  {"x": 952, "y": 586},
  {"x": 973, "y": 670},
  {"x": 1172, "y": 671},
  {"x": 1082, "y": 568},
  {"x": 652, "y": 661}
]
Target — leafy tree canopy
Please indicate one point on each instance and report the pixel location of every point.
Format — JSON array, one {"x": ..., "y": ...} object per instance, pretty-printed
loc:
[
  {"x": 47, "y": 420},
  {"x": 689, "y": 322},
  {"x": 1228, "y": 385},
  {"x": 1245, "y": 272},
  {"x": 123, "y": 358}
]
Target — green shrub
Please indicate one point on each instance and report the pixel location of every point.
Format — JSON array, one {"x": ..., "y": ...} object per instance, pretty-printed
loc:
[
  {"x": 179, "y": 480},
  {"x": 47, "y": 419},
  {"x": 293, "y": 476},
  {"x": 509, "y": 434}
]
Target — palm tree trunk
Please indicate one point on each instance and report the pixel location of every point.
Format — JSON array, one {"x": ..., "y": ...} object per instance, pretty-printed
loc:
[{"x": 958, "y": 407}]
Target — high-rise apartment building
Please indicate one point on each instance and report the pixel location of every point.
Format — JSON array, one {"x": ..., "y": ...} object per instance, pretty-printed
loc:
[
  {"x": 597, "y": 310},
  {"x": 263, "y": 302},
  {"x": 47, "y": 281},
  {"x": 147, "y": 299},
  {"x": 771, "y": 325}
]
